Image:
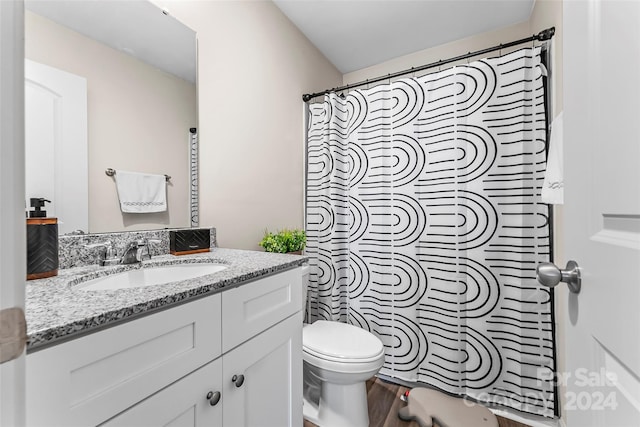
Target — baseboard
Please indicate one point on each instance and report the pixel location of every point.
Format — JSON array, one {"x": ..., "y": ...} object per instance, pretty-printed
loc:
[{"x": 530, "y": 420}]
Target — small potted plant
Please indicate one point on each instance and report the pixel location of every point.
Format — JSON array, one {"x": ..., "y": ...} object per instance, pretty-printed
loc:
[{"x": 284, "y": 241}]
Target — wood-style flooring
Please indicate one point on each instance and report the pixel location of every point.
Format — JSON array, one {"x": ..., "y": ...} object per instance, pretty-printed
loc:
[{"x": 384, "y": 402}]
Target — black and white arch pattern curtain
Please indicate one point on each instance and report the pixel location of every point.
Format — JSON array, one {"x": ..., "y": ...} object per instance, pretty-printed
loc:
[{"x": 425, "y": 226}]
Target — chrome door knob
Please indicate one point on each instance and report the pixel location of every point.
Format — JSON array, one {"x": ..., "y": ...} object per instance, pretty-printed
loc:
[
  {"x": 213, "y": 398},
  {"x": 548, "y": 274},
  {"x": 238, "y": 380}
]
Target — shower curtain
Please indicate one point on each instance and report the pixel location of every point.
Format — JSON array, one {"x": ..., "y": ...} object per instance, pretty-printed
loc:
[{"x": 425, "y": 227}]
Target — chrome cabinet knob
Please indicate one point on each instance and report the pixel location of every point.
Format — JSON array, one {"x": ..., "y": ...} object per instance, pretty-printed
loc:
[
  {"x": 548, "y": 274},
  {"x": 238, "y": 380},
  {"x": 213, "y": 398}
]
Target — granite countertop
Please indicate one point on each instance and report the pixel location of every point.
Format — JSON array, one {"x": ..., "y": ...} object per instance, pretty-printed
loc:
[{"x": 56, "y": 310}]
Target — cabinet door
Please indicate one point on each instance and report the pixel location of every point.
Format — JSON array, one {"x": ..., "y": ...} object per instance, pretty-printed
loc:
[
  {"x": 271, "y": 363},
  {"x": 187, "y": 402}
]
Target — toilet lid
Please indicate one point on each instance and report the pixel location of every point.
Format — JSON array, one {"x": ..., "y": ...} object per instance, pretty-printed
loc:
[{"x": 340, "y": 341}]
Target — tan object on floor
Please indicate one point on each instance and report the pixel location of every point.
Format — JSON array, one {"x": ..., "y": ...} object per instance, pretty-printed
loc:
[{"x": 425, "y": 405}]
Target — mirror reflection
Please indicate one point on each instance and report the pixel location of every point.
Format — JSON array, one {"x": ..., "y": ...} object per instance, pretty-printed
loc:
[{"x": 108, "y": 85}]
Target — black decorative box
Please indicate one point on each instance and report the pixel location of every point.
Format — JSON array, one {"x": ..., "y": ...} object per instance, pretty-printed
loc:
[{"x": 192, "y": 241}]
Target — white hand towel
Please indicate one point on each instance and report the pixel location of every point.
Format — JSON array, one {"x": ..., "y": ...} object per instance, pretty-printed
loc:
[
  {"x": 141, "y": 192},
  {"x": 553, "y": 186}
]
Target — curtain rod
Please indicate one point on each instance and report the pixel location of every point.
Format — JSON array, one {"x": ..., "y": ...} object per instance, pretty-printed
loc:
[{"x": 541, "y": 36}]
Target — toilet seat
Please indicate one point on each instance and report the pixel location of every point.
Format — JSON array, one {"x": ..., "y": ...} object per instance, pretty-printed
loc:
[
  {"x": 340, "y": 341},
  {"x": 342, "y": 359},
  {"x": 342, "y": 367},
  {"x": 340, "y": 347}
]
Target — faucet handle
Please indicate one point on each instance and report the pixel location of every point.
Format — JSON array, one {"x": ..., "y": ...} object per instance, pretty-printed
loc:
[
  {"x": 145, "y": 244},
  {"x": 105, "y": 244},
  {"x": 110, "y": 252}
]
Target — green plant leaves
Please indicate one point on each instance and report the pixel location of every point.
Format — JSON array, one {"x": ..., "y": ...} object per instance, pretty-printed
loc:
[{"x": 284, "y": 241}]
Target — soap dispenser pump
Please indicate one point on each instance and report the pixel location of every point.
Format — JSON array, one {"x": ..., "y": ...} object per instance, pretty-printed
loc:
[
  {"x": 37, "y": 203},
  {"x": 42, "y": 242}
]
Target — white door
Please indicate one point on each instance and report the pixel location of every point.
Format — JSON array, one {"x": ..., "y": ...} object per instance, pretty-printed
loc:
[
  {"x": 602, "y": 211},
  {"x": 12, "y": 222},
  {"x": 56, "y": 143}
]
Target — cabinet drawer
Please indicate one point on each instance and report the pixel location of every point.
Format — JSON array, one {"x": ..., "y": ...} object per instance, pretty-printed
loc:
[
  {"x": 87, "y": 380},
  {"x": 252, "y": 308}
]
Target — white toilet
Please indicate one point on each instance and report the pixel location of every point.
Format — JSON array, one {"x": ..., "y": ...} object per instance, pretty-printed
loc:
[{"x": 338, "y": 360}]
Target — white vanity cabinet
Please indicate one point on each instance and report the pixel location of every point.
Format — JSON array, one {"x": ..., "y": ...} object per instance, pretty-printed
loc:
[{"x": 167, "y": 368}]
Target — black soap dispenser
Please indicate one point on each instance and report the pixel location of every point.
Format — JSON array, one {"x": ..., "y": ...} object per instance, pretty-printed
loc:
[{"x": 42, "y": 242}]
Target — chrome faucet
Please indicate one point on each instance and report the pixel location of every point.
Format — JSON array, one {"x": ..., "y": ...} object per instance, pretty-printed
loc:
[
  {"x": 131, "y": 253},
  {"x": 137, "y": 251}
]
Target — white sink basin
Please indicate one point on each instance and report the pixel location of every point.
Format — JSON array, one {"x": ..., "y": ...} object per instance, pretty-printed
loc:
[{"x": 150, "y": 276}]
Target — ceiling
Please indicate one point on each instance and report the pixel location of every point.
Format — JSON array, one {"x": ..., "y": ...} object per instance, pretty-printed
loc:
[
  {"x": 162, "y": 41},
  {"x": 355, "y": 34}
]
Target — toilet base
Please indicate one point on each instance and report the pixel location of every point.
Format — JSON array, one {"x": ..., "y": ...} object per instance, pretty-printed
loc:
[
  {"x": 340, "y": 405},
  {"x": 310, "y": 411}
]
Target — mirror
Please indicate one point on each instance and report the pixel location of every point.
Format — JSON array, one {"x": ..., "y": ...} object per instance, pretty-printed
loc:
[{"x": 137, "y": 65}]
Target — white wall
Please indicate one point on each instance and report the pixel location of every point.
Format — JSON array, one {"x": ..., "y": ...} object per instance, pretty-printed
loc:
[
  {"x": 253, "y": 67},
  {"x": 139, "y": 120}
]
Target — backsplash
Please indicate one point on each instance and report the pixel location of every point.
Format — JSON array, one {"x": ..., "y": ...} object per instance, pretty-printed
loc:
[{"x": 73, "y": 250}]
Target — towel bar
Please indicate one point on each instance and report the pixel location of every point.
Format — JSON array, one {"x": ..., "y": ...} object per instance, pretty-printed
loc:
[{"x": 112, "y": 172}]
